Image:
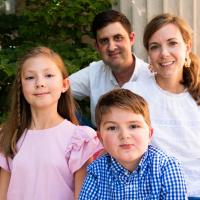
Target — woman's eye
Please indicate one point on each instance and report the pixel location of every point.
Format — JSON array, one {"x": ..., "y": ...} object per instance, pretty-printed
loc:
[
  {"x": 173, "y": 43},
  {"x": 153, "y": 47}
]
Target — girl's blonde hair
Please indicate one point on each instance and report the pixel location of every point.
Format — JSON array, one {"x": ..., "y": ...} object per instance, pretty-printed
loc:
[
  {"x": 191, "y": 74},
  {"x": 20, "y": 112}
]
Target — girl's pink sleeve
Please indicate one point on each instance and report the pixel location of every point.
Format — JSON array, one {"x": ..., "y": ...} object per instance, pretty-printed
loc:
[
  {"x": 4, "y": 163},
  {"x": 84, "y": 144}
]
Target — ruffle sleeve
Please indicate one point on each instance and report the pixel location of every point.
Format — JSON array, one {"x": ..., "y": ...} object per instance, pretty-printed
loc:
[
  {"x": 84, "y": 144},
  {"x": 5, "y": 164}
]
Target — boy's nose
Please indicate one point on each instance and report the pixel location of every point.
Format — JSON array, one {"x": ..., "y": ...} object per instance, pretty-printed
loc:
[{"x": 124, "y": 134}]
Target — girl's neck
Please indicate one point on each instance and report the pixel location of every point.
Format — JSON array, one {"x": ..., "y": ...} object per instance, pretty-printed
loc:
[
  {"x": 170, "y": 85},
  {"x": 41, "y": 120}
]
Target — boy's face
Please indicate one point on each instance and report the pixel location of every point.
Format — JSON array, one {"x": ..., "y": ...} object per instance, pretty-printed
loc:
[{"x": 125, "y": 136}]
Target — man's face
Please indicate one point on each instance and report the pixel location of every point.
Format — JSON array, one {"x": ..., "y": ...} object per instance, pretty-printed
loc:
[{"x": 114, "y": 45}]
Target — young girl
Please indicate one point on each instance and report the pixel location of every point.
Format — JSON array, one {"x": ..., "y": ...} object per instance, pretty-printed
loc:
[{"x": 43, "y": 151}]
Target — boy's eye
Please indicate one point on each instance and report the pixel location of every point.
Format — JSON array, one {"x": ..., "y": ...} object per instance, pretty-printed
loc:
[
  {"x": 133, "y": 126},
  {"x": 112, "y": 128}
]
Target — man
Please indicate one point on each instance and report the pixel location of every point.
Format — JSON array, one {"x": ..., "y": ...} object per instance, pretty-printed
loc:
[{"x": 113, "y": 40}]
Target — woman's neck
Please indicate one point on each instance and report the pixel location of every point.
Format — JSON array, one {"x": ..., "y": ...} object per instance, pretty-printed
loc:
[{"x": 170, "y": 85}]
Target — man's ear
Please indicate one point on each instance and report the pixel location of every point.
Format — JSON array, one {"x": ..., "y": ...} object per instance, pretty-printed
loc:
[
  {"x": 132, "y": 37},
  {"x": 66, "y": 85}
]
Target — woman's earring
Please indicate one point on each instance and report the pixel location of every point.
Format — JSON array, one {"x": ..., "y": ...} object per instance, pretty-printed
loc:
[
  {"x": 151, "y": 69},
  {"x": 187, "y": 62}
]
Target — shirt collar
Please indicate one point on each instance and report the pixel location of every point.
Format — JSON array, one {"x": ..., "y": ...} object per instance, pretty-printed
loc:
[
  {"x": 135, "y": 72},
  {"x": 120, "y": 172}
]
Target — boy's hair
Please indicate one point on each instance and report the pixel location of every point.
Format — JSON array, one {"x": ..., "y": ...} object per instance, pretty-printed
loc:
[
  {"x": 122, "y": 99},
  {"x": 20, "y": 113},
  {"x": 110, "y": 16}
]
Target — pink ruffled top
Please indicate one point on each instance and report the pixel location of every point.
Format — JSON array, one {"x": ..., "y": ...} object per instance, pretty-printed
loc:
[{"x": 43, "y": 168}]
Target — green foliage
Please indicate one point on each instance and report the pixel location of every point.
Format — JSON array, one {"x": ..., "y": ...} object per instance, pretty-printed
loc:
[{"x": 58, "y": 24}]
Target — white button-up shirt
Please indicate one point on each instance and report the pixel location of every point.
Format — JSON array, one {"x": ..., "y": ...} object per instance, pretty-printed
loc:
[{"x": 97, "y": 79}]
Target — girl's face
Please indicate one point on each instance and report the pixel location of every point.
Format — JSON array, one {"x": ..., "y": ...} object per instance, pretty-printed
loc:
[
  {"x": 167, "y": 52},
  {"x": 42, "y": 82}
]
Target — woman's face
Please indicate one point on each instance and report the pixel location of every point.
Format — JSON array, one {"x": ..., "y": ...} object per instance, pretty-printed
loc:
[{"x": 167, "y": 52}]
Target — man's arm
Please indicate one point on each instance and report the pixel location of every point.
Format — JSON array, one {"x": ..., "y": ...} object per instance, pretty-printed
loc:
[{"x": 80, "y": 83}]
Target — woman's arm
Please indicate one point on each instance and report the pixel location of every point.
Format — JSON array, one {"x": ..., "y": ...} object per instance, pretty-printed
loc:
[
  {"x": 4, "y": 182},
  {"x": 79, "y": 178}
]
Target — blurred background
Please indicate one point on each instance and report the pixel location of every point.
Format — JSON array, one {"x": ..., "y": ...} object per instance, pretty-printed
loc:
[{"x": 64, "y": 26}]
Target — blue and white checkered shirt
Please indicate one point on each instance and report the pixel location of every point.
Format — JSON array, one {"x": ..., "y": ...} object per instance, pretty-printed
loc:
[{"x": 157, "y": 177}]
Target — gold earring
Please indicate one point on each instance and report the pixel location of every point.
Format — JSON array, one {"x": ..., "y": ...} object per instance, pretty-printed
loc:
[
  {"x": 150, "y": 68},
  {"x": 187, "y": 62}
]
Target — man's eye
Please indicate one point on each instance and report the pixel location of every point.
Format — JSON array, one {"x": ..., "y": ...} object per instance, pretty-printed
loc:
[
  {"x": 103, "y": 41},
  {"x": 118, "y": 38}
]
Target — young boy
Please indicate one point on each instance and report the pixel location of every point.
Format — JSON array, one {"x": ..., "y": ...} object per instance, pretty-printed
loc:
[{"x": 131, "y": 169}]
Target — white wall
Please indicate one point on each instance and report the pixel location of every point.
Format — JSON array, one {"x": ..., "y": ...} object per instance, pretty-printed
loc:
[{"x": 140, "y": 12}]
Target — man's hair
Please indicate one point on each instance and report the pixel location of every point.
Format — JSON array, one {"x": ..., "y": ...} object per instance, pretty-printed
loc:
[
  {"x": 122, "y": 99},
  {"x": 110, "y": 16}
]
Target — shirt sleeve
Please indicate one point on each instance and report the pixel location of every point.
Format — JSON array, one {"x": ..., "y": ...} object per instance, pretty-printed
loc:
[
  {"x": 80, "y": 83},
  {"x": 90, "y": 188},
  {"x": 173, "y": 181},
  {"x": 84, "y": 144}
]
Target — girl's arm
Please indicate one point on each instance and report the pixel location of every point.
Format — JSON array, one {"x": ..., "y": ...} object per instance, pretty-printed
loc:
[
  {"x": 4, "y": 182},
  {"x": 79, "y": 178}
]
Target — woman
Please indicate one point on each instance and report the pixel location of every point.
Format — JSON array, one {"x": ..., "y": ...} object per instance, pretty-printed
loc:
[{"x": 173, "y": 93}]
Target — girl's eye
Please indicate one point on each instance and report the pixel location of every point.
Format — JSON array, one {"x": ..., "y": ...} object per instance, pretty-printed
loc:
[
  {"x": 49, "y": 75},
  {"x": 29, "y": 78}
]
